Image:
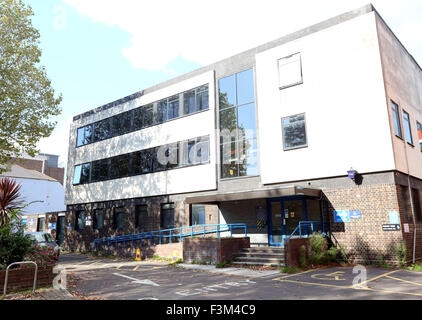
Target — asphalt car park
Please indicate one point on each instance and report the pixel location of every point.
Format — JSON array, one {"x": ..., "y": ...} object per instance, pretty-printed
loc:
[{"x": 130, "y": 280}]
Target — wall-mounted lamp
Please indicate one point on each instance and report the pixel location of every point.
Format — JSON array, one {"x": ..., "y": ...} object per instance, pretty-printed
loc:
[{"x": 352, "y": 173}]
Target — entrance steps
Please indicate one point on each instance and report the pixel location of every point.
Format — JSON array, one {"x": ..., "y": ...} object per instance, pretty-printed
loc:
[{"x": 261, "y": 256}]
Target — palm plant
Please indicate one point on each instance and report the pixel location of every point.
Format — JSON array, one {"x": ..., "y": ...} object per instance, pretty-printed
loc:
[{"x": 9, "y": 199}]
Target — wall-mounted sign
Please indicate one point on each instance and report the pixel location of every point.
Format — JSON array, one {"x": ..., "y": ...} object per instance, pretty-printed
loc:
[
  {"x": 31, "y": 221},
  {"x": 355, "y": 214},
  {"x": 406, "y": 227},
  {"x": 52, "y": 226},
  {"x": 286, "y": 213},
  {"x": 393, "y": 217},
  {"x": 88, "y": 220},
  {"x": 390, "y": 227},
  {"x": 341, "y": 216}
]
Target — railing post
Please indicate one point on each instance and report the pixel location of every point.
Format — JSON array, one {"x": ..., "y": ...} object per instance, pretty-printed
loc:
[
  {"x": 246, "y": 233},
  {"x": 191, "y": 231},
  {"x": 218, "y": 231},
  {"x": 231, "y": 230},
  {"x": 204, "y": 232},
  {"x": 170, "y": 235}
]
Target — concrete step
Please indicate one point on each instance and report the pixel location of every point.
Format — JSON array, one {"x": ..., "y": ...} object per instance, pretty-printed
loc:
[
  {"x": 260, "y": 254},
  {"x": 260, "y": 263},
  {"x": 264, "y": 250},
  {"x": 257, "y": 259}
]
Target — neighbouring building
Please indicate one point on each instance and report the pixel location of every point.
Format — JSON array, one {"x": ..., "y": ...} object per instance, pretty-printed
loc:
[
  {"x": 40, "y": 194},
  {"x": 320, "y": 125}
]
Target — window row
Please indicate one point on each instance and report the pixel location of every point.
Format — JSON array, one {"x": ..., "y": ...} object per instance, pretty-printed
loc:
[
  {"x": 120, "y": 217},
  {"x": 176, "y": 155},
  {"x": 155, "y": 113},
  {"x": 407, "y": 125}
]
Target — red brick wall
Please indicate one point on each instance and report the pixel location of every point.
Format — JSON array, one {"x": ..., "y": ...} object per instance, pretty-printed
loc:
[
  {"x": 364, "y": 238},
  {"x": 24, "y": 278},
  {"x": 230, "y": 246},
  {"x": 292, "y": 250}
]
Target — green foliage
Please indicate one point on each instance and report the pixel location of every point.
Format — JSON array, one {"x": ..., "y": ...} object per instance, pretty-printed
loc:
[
  {"x": 415, "y": 267},
  {"x": 222, "y": 264},
  {"x": 320, "y": 254},
  {"x": 27, "y": 99},
  {"x": 400, "y": 251},
  {"x": 381, "y": 260},
  {"x": 303, "y": 261},
  {"x": 158, "y": 258},
  {"x": 14, "y": 246},
  {"x": 286, "y": 269},
  {"x": 9, "y": 200}
]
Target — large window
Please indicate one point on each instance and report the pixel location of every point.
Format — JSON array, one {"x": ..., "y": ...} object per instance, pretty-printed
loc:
[
  {"x": 80, "y": 220},
  {"x": 197, "y": 214},
  {"x": 185, "y": 103},
  {"x": 405, "y": 204},
  {"x": 396, "y": 119},
  {"x": 98, "y": 219},
  {"x": 290, "y": 71},
  {"x": 40, "y": 224},
  {"x": 141, "y": 214},
  {"x": 238, "y": 146},
  {"x": 294, "y": 132},
  {"x": 175, "y": 155},
  {"x": 407, "y": 127},
  {"x": 167, "y": 216},
  {"x": 119, "y": 218},
  {"x": 419, "y": 126}
]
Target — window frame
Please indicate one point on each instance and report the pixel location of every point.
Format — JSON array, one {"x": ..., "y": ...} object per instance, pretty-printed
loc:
[
  {"x": 406, "y": 123},
  {"x": 116, "y": 216},
  {"x": 395, "y": 112},
  {"x": 301, "y": 71},
  {"x": 162, "y": 210}
]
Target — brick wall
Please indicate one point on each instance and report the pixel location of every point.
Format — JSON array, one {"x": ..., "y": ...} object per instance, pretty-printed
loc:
[
  {"x": 20, "y": 279},
  {"x": 364, "y": 238}
]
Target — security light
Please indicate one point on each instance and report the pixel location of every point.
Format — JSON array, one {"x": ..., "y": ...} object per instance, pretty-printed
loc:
[{"x": 352, "y": 173}]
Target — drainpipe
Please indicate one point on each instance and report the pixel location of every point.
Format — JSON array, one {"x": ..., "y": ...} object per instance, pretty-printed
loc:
[{"x": 411, "y": 203}]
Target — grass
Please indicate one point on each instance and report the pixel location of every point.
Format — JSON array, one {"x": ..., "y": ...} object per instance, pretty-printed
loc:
[
  {"x": 158, "y": 258},
  {"x": 415, "y": 267},
  {"x": 286, "y": 269}
]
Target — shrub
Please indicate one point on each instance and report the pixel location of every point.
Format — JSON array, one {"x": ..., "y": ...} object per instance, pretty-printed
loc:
[
  {"x": 222, "y": 264},
  {"x": 14, "y": 246},
  {"x": 43, "y": 256},
  {"x": 401, "y": 253},
  {"x": 320, "y": 254},
  {"x": 286, "y": 269}
]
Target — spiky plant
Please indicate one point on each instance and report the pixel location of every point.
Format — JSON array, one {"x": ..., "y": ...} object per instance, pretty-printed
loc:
[{"x": 9, "y": 199}]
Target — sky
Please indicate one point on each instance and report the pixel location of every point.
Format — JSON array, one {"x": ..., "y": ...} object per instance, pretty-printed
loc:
[{"x": 98, "y": 51}]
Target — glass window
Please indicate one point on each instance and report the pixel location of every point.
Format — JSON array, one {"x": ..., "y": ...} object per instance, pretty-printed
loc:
[
  {"x": 407, "y": 128},
  {"x": 98, "y": 219},
  {"x": 119, "y": 166},
  {"x": 81, "y": 173},
  {"x": 167, "y": 216},
  {"x": 40, "y": 224},
  {"x": 119, "y": 218},
  {"x": 80, "y": 220},
  {"x": 202, "y": 98},
  {"x": 142, "y": 161},
  {"x": 227, "y": 92},
  {"x": 161, "y": 111},
  {"x": 173, "y": 107},
  {"x": 238, "y": 125},
  {"x": 290, "y": 71},
  {"x": 81, "y": 137},
  {"x": 99, "y": 170},
  {"x": 294, "y": 132},
  {"x": 189, "y": 102},
  {"x": 202, "y": 149},
  {"x": 141, "y": 214},
  {"x": 137, "y": 119},
  {"x": 198, "y": 214},
  {"x": 396, "y": 119},
  {"x": 160, "y": 163},
  {"x": 148, "y": 116},
  {"x": 122, "y": 123},
  {"x": 84, "y": 136},
  {"x": 419, "y": 126},
  {"x": 102, "y": 130},
  {"x": 245, "y": 87}
]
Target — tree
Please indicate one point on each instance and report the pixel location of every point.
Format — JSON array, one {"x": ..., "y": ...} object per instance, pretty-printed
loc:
[
  {"x": 27, "y": 99},
  {"x": 9, "y": 199}
]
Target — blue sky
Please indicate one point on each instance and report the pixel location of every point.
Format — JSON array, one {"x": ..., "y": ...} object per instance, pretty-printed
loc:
[{"x": 97, "y": 51}]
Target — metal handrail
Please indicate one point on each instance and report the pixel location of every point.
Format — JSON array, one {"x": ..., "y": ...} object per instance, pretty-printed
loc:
[
  {"x": 299, "y": 227},
  {"x": 22, "y": 262},
  {"x": 173, "y": 233}
]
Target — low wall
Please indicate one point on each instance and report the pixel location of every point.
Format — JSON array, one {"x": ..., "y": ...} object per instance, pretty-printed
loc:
[
  {"x": 20, "y": 279},
  {"x": 169, "y": 250},
  {"x": 211, "y": 250},
  {"x": 292, "y": 251}
]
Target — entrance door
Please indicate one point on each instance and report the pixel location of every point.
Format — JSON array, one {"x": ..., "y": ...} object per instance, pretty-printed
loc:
[
  {"x": 60, "y": 230},
  {"x": 284, "y": 215}
]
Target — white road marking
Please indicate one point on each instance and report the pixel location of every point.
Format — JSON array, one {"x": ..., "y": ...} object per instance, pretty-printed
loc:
[{"x": 146, "y": 281}]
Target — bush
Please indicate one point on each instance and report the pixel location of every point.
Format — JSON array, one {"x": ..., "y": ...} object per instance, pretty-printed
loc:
[
  {"x": 320, "y": 254},
  {"x": 14, "y": 246},
  {"x": 401, "y": 253},
  {"x": 43, "y": 256}
]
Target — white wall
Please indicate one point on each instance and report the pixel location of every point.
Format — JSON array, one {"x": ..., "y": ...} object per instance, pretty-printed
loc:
[
  {"x": 198, "y": 178},
  {"x": 343, "y": 98},
  {"x": 50, "y": 192}
]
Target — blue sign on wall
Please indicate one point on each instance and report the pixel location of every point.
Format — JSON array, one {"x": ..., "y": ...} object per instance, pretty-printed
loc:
[
  {"x": 355, "y": 214},
  {"x": 394, "y": 217},
  {"x": 342, "y": 216}
]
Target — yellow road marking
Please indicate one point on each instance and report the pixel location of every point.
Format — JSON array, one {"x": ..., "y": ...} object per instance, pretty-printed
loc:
[
  {"x": 295, "y": 274},
  {"x": 317, "y": 284},
  {"x": 328, "y": 277},
  {"x": 375, "y": 278},
  {"x": 411, "y": 282},
  {"x": 118, "y": 268},
  {"x": 390, "y": 291}
]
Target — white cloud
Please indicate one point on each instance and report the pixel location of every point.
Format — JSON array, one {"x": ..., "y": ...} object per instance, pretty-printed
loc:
[{"x": 207, "y": 31}]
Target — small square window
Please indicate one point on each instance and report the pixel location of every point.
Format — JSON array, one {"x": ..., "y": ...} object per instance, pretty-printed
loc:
[
  {"x": 290, "y": 71},
  {"x": 294, "y": 132}
]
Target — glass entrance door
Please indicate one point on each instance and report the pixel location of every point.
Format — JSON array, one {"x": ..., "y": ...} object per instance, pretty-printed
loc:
[
  {"x": 293, "y": 214},
  {"x": 276, "y": 224}
]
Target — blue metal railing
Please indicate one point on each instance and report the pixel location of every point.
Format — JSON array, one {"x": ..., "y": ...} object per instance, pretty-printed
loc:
[
  {"x": 309, "y": 224},
  {"x": 170, "y": 234}
]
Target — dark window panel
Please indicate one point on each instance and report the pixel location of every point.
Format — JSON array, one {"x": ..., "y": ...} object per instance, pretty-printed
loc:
[
  {"x": 294, "y": 132},
  {"x": 161, "y": 115},
  {"x": 80, "y": 220},
  {"x": 198, "y": 214},
  {"x": 202, "y": 98},
  {"x": 99, "y": 170},
  {"x": 173, "y": 107},
  {"x": 119, "y": 218},
  {"x": 137, "y": 119},
  {"x": 167, "y": 216},
  {"x": 120, "y": 166},
  {"x": 189, "y": 102},
  {"x": 407, "y": 127},
  {"x": 88, "y": 134},
  {"x": 85, "y": 173},
  {"x": 102, "y": 130},
  {"x": 98, "y": 219},
  {"x": 396, "y": 119},
  {"x": 148, "y": 116},
  {"x": 141, "y": 216}
]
